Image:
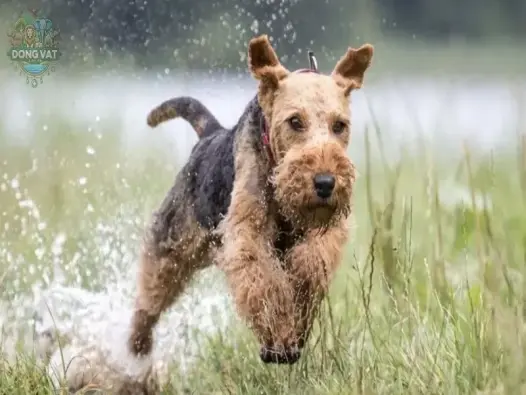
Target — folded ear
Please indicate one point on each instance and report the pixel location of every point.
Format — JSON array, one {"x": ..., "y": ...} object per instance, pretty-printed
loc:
[
  {"x": 350, "y": 69},
  {"x": 264, "y": 64}
]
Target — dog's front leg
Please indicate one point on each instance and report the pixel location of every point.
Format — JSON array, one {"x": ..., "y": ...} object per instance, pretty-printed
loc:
[
  {"x": 311, "y": 264},
  {"x": 261, "y": 289}
]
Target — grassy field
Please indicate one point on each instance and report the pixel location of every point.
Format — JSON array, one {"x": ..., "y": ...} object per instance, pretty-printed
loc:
[{"x": 429, "y": 298}]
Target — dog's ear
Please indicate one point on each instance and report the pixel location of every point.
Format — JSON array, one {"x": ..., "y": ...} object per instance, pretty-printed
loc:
[
  {"x": 264, "y": 64},
  {"x": 350, "y": 69}
]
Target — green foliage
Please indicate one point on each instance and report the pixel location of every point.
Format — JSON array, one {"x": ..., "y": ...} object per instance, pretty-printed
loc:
[
  {"x": 429, "y": 298},
  {"x": 23, "y": 377}
]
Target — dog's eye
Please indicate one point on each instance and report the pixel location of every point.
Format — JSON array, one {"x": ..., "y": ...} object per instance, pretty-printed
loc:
[
  {"x": 339, "y": 127},
  {"x": 295, "y": 123}
]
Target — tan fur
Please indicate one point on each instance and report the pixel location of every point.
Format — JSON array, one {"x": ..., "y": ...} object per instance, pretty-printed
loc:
[
  {"x": 162, "y": 279},
  {"x": 262, "y": 289},
  {"x": 276, "y": 291},
  {"x": 312, "y": 264},
  {"x": 350, "y": 69},
  {"x": 161, "y": 114},
  {"x": 169, "y": 110},
  {"x": 318, "y": 101}
]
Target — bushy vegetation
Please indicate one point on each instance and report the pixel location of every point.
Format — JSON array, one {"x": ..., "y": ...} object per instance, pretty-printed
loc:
[{"x": 429, "y": 298}]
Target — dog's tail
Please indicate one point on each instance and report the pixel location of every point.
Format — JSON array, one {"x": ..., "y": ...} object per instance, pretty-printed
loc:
[{"x": 188, "y": 108}]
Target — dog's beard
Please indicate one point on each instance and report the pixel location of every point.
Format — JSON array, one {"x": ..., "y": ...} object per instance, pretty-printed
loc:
[
  {"x": 297, "y": 200},
  {"x": 308, "y": 218}
]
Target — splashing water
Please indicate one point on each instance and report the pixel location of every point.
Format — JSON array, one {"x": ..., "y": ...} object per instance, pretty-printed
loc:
[{"x": 100, "y": 317}]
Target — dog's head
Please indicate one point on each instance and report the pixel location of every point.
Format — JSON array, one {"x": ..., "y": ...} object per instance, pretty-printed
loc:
[{"x": 309, "y": 127}]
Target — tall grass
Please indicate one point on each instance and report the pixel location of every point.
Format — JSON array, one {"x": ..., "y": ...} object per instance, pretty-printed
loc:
[{"x": 429, "y": 298}]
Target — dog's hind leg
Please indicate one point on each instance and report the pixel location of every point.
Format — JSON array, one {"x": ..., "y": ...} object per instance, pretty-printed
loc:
[{"x": 174, "y": 251}]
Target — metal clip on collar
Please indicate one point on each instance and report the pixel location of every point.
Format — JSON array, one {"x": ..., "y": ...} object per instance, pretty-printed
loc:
[{"x": 312, "y": 61}]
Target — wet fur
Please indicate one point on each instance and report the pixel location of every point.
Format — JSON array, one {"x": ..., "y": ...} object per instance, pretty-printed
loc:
[
  {"x": 259, "y": 221},
  {"x": 207, "y": 178}
]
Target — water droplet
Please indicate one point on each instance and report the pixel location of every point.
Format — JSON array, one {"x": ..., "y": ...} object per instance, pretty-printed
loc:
[
  {"x": 58, "y": 244},
  {"x": 254, "y": 26},
  {"x": 82, "y": 181},
  {"x": 90, "y": 150}
]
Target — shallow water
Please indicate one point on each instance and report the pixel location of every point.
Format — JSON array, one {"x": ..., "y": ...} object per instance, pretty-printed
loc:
[{"x": 486, "y": 113}]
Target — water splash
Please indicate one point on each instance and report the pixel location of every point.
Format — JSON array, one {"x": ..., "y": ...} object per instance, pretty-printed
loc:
[{"x": 101, "y": 317}]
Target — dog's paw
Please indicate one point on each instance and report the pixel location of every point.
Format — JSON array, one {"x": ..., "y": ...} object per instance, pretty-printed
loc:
[
  {"x": 289, "y": 355},
  {"x": 140, "y": 343}
]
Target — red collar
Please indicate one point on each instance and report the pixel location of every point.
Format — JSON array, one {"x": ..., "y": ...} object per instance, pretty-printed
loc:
[{"x": 265, "y": 134}]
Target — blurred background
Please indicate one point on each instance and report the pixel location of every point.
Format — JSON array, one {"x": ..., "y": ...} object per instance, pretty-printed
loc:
[
  {"x": 212, "y": 36},
  {"x": 81, "y": 172},
  {"x": 454, "y": 60}
]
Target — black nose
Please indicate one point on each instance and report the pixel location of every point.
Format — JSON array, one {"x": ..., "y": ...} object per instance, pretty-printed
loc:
[{"x": 324, "y": 184}]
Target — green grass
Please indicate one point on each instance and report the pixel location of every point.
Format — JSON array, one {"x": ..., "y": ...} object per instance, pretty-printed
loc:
[{"x": 429, "y": 298}]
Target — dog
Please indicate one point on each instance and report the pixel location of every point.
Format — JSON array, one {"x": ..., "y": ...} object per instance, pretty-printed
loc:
[{"x": 267, "y": 201}]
